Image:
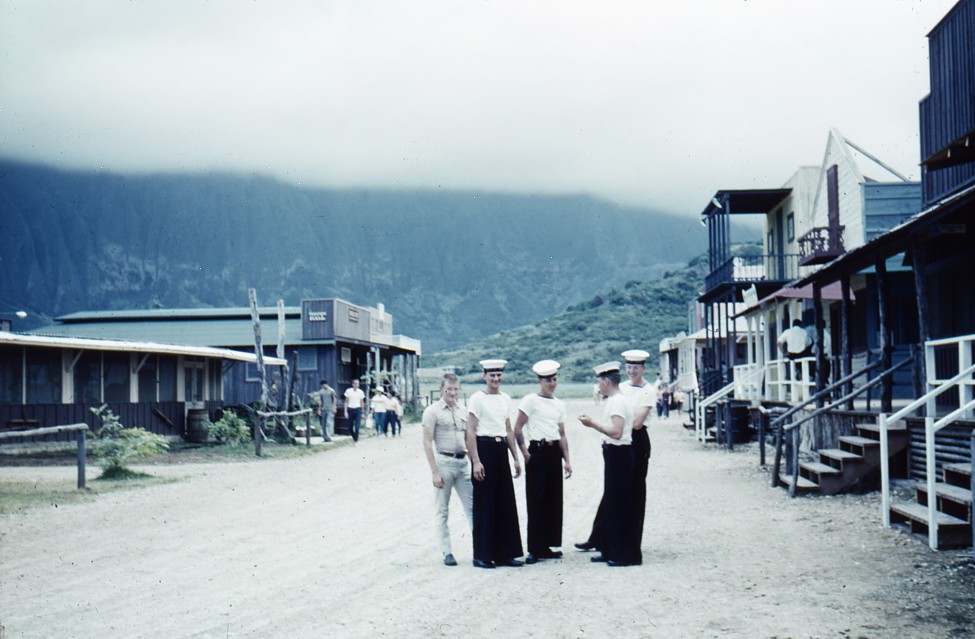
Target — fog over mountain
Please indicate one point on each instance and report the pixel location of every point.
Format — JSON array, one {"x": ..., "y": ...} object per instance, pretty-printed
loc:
[{"x": 450, "y": 266}]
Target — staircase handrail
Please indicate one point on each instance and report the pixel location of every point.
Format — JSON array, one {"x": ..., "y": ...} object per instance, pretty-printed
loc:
[
  {"x": 780, "y": 421},
  {"x": 701, "y": 407},
  {"x": 930, "y": 428}
]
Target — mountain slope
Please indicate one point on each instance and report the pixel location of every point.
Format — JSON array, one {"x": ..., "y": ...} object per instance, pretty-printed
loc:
[
  {"x": 592, "y": 332},
  {"x": 450, "y": 267}
]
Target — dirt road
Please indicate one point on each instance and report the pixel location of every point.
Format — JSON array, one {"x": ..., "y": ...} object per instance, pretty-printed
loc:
[{"x": 341, "y": 544}]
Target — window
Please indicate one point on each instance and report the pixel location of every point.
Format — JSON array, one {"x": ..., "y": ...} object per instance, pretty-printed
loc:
[
  {"x": 307, "y": 358},
  {"x": 215, "y": 379},
  {"x": 115, "y": 371},
  {"x": 167, "y": 379},
  {"x": 87, "y": 378},
  {"x": 252, "y": 374},
  {"x": 791, "y": 226},
  {"x": 11, "y": 381},
  {"x": 148, "y": 380},
  {"x": 44, "y": 377}
]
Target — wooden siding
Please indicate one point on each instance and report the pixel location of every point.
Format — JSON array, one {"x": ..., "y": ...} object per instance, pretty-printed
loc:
[
  {"x": 164, "y": 418},
  {"x": 948, "y": 113},
  {"x": 850, "y": 194},
  {"x": 888, "y": 204}
]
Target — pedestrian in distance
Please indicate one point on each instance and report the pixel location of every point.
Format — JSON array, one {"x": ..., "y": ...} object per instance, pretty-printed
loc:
[
  {"x": 445, "y": 445},
  {"x": 540, "y": 433},
  {"x": 497, "y": 537},
  {"x": 352, "y": 410},
  {"x": 327, "y": 407},
  {"x": 394, "y": 414},
  {"x": 378, "y": 408}
]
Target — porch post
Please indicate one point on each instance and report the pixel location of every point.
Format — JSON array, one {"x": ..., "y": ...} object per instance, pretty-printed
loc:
[
  {"x": 846, "y": 355},
  {"x": 820, "y": 355},
  {"x": 885, "y": 348},
  {"x": 921, "y": 292}
]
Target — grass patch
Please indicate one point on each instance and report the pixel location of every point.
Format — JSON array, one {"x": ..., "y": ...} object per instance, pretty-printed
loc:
[
  {"x": 16, "y": 496},
  {"x": 117, "y": 473}
]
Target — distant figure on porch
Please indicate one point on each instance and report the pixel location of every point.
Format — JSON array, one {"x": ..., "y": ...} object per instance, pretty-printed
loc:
[{"x": 795, "y": 341}]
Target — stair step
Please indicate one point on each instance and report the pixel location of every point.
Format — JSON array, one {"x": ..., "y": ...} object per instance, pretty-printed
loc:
[
  {"x": 896, "y": 427},
  {"x": 919, "y": 513},
  {"x": 803, "y": 485},
  {"x": 948, "y": 491},
  {"x": 856, "y": 440},
  {"x": 839, "y": 455},
  {"x": 959, "y": 469},
  {"x": 819, "y": 468}
]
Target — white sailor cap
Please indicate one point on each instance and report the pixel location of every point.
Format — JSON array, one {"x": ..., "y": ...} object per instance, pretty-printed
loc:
[
  {"x": 636, "y": 356},
  {"x": 491, "y": 365},
  {"x": 607, "y": 368},
  {"x": 546, "y": 368}
]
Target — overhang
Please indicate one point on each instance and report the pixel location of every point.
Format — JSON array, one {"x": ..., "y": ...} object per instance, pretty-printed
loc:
[{"x": 80, "y": 343}]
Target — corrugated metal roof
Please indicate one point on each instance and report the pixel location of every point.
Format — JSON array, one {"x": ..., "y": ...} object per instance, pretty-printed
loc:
[
  {"x": 226, "y": 333},
  {"x": 171, "y": 314},
  {"x": 23, "y": 339}
]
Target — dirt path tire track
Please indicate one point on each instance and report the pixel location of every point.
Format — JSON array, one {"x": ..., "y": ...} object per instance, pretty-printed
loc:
[{"x": 341, "y": 544}]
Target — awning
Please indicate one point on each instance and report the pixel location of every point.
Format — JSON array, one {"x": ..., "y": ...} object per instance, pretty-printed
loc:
[
  {"x": 81, "y": 343},
  {"x": 831, "y": 292}
]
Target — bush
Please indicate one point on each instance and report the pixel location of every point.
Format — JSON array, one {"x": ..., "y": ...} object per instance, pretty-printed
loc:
[
  {"x": 116, "y": 445},
  {"x": 230, "y": 428}
]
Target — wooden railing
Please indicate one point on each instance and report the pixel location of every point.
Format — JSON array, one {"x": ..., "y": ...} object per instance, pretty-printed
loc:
[
  {"x": 964, "y": 382},
  {"x": 82, "y": 434}
]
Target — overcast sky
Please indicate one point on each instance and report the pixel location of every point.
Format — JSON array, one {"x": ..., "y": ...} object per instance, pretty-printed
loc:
[{"x": 650, "y": 103}]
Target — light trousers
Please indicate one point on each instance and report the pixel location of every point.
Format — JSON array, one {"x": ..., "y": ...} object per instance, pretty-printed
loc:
[{"x": 456, "y": 474}]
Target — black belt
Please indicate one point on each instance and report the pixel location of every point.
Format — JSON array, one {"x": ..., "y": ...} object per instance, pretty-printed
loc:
[
  {"x": 544, "y": 442},
  {"x": 484, "y": 438},
  {"x": 454, "y": 455}
]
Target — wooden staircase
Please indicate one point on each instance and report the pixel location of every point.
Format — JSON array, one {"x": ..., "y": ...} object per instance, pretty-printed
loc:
[
  {"x": 855, "y": 462},
  {"x": 954, "y": 508}
]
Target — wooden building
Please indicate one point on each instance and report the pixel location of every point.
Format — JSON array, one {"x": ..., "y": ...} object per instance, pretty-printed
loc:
[
  {"x": 53, "y": 381},
  {"x": 327, "y": 339}
]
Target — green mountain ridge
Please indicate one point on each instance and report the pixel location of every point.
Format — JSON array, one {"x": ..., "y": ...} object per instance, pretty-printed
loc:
[
  {"x": 451, "y": 267},
  {"x": 592, "y": 332}
]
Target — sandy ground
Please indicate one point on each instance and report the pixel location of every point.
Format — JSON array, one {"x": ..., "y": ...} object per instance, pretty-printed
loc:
[{"x": 341, "y": 544}]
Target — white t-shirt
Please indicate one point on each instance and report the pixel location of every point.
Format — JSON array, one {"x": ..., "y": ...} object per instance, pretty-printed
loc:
[
  {"x": 491, "y": 412},
  {"x": 544, "y": 416},
  {"x": 619, "y": 405},
  {"x": 354, "y": 397},
  {"x": 379, "y": 403},
  {"x": 639, "y": 396}
]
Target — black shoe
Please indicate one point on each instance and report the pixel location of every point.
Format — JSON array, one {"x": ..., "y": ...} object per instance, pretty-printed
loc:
[
  {"x": 531, "y": 559},
  {"x": 512, "y": 563},
  {"x": 597, "y": 559},
  {"x": 586, "y": 546},
  {"x": 548, "y": 553},
  {"x": 483, "y": 564},
  {"x": 617, "y": 564},
  {"x": 448, "y": 560}
]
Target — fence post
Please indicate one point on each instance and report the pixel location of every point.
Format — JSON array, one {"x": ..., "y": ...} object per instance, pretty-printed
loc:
[{"x": 82, "y": 452}]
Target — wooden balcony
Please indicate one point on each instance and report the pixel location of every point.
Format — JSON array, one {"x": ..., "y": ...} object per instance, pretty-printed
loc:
[
  {"x": 744, "y": 270},
  {"x": 821, "y": 245}
]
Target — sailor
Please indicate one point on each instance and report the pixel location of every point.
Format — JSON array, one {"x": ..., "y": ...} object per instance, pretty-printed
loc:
[
  {"x": 619, "y": 543},
  {"x": 541, "y": 421},
  {"x": 445, "y": 446},
  {"x": 642, "y": 397},
  {"x": 497, "y": 536}
]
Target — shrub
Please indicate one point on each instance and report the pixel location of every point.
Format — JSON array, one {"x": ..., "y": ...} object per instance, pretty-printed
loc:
[
  {"x": 116, "y": 445},
  {"x": 230, "y": 428}
]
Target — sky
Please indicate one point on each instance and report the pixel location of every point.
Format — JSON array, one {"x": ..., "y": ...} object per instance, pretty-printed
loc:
[{"x": 645, "y": 103}]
